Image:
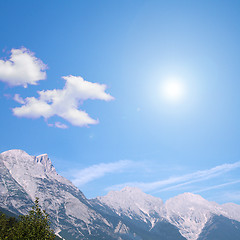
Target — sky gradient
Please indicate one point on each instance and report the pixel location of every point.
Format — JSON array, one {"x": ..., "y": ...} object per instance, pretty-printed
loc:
[{"x": 81, "y": 81}]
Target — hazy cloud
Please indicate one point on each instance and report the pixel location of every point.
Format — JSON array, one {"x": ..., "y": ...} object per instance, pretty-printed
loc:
[
  {"x": 60, "y": 125},
  {"x": 217, "y": 186},
  {"x": 94, "y": 172},
  {"x": 18, "y": 99},
  {"x": 22, "y": 68},
  {"x": 177, "y": 182},
  {"x": 63, "y": 102}
]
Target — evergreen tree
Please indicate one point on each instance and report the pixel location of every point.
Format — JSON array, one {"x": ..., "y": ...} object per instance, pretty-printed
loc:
[
  {"x": 35, "y": 225},
  {"x": 7, "y": 225}
]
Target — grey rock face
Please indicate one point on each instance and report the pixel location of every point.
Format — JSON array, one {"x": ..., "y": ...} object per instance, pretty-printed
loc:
[
  {"x": 124, "y": 215},
  {"x": 24, "y": 177}
]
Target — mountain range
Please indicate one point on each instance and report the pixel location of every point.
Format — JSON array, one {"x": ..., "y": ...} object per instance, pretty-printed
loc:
[{"x": 123, "y": 215}]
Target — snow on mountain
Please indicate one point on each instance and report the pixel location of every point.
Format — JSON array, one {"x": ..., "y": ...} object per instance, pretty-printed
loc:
[
  {"x": 126, "y": 214},
  {"x": 132, "y": 202},
  {"x": 231, "y": 210},
  {"x": 188, "y": 212},
  {"x": 121, "y": 228},
  {"x": 140, "y": 214}
]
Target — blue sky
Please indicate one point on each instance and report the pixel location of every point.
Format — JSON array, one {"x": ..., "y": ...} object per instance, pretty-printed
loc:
[{"x": 121, "y": 130}]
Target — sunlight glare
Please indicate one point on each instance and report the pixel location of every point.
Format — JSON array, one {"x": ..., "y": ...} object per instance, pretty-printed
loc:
[{"x": 173, "y": 90}]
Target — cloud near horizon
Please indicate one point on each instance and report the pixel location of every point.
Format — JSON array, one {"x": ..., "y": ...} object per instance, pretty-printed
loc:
[
  {"x": 174, "y": 183},
  {"x": 96, "y": 171},
  {"x": 217, "y": 186},
  {"x": 22, "y": 68},
  {"x": 63, "y": 102}
]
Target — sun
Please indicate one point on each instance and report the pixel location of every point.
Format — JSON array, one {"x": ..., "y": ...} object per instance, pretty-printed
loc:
[{"x": 173, "y": 90}]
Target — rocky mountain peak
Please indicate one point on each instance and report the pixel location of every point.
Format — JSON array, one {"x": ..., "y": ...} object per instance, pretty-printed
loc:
[
  {"x": 14, "y": 152},
  {"x": 119, "y": 215},
  {"x": 129, "y": 189},
  {"x": 46, "y": 162},
  {"x": 132, "y": 202}
]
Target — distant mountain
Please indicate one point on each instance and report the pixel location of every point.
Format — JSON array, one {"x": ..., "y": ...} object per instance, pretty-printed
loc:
[
  {"x": 123, "y": 215},
  {"x": 140, "y": 214},
  {"x": 189, "y": 213}
]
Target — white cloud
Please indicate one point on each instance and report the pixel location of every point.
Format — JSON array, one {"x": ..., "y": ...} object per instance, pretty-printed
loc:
[
  {"x": 18, "y": 99},
  {"x": 217, "y": 186},
  {"x": 60, "y": 125},
  {"x": 64, "y": 102},
  {"x": 22, "y": 68},
  {"x": 173, "y": 183},
  {"x": 99, "y": 170}
]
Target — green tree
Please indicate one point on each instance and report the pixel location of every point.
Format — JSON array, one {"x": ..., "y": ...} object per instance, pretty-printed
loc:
[
  {"x": 35, "y": 225},
  {"x": 7, "y": 225}
]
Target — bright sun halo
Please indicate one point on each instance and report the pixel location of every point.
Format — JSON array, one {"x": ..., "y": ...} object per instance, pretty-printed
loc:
[{"x": 173, "y": 90}]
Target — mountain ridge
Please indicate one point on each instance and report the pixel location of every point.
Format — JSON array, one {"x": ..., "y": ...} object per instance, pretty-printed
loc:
[
  {"x": 187, "y": 211},
  {"x": 124, "y": 215}
]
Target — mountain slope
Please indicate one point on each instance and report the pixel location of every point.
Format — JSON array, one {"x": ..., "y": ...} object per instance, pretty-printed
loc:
[
  {"x": 13, "y": 195},
  {"x": 128, "y": 214},
  {"x": 189, "y": 213},
  {"x": 221, "y": 228},
  {"x": 142, "y": 213},
  {"x": 24, "y": 177},
  {"x": 133, "y": 203}
]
